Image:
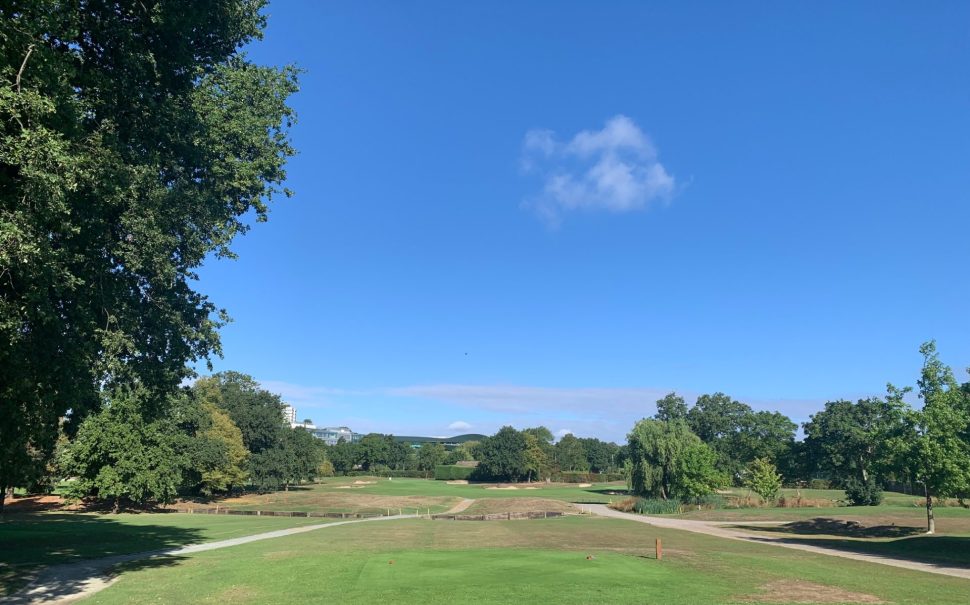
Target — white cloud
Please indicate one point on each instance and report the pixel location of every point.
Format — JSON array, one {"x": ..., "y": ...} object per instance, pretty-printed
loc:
[
  {"x": 614, "y": 169},
  {"x": 459, "y": 425},
  {"x": 563, "y": 432}
]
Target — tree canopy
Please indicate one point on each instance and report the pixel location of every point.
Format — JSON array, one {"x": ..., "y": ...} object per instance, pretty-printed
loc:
[{"x": 135, "y": 138}]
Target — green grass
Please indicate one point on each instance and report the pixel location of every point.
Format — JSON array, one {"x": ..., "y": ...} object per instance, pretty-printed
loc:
[
  {"x": 33, "y": 540},
  {"x": 516, "y": 561}
]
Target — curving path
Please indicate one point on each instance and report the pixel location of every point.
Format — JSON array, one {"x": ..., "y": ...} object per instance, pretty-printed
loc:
[
  {"x": 62, "y": 584},
  {"x": 724, "y": 530}
]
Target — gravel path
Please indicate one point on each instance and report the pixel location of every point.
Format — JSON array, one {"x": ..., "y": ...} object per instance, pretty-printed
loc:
[
  {"x": 62, "y": 584},
  {"x": 723, "y": 530},
  {"x": 460, "y": 507}
]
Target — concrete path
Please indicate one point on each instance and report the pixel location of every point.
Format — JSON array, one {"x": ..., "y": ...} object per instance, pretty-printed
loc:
[
  {"x": 62, "y": 584},
  {"x": 723, "y": 529}
]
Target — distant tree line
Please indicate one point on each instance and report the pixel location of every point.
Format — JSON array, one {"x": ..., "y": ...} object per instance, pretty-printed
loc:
[{"x": 859, "y": 446}]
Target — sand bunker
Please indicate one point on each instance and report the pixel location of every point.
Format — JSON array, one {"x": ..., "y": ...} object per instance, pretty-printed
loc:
[
  {"x": 800, "y": 591},
  {"x": 458, "y": 482},
  {"x": 501, "y": 487},
  {"x": 585, "y": 485},
  {"x": 364, "y": 482}
]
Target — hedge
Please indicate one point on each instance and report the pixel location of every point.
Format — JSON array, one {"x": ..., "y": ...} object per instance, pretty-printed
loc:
[
  {"x": 585, "y": 477},
  {"x": 450, "y": 472}
]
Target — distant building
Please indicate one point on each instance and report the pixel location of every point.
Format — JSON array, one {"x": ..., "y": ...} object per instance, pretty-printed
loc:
[
  {"x": 289, "y": 415},
  {"x": 331, "y": 435}
]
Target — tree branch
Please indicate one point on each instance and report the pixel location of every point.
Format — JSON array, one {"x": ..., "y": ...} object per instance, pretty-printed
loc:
[{"x": 30, "y": 49}]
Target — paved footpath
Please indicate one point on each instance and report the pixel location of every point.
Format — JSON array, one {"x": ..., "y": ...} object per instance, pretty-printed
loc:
[
  {"x": 724, "y": 530},
  {"x": 62, "y": 584}
]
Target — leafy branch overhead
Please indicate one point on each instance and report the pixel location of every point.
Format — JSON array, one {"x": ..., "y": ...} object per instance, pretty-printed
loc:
[{"x": 135, "y": 141}]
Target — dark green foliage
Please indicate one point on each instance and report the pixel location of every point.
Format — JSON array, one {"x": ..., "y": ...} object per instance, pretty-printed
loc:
[
  {"x": 450, "y": 472},
  {"x": 570, "y": 455},
  {"x": 429, "y": 456},
  {"x": 671, "y": 407},
  {"x": 121, "y": 456},
  {"x": 738, "y": 434},
  {"x": 862, "y": 493},
  {"x": 257, "y": 412},
  {"x": 857, "y": 442},
  {"x": 502, "y": 456},
  {"x": 600, "y": 455},
  {"x": 134, "y": 141}
]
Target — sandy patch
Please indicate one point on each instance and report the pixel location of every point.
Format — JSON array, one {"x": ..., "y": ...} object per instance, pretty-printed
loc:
[
  {"x": 488, "y": 506},
  {"x": 348, "y": 487},
  {"x": 364, "y": 482},
  {"x": 458, "y": 482},
  {"x": 800, "y": 591},
  {"x": 585, "y": 485},
  {"x": 501, "y": 487},
  {"x": 530, "y": 488}
]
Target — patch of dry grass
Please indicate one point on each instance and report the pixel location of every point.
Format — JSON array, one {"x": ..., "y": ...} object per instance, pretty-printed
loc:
[{"x": 488, "y": 506}]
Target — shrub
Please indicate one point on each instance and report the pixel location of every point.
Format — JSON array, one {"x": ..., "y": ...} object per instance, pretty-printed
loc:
[
  {"x": 450, "y": 472},
  {"x": 863, "y": 493},
  {"x": 820, "y": 484},
  {"x": 625, "y": 505},
  {"x": 656, "y": 506}
]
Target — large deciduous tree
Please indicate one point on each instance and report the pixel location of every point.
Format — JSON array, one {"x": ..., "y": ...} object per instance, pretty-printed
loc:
[
  {"x": 134, "y": 139},
  {"x": 939, "y": 454},
  {"x": 122, "y": 456},
  {"x": 503, "y": 455},
  {"x": 857, "y": 443},
  {"x": 669, "y": 461}
]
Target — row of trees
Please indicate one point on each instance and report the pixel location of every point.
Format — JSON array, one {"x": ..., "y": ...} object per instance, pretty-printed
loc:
[
  {"x": 860, "y": 446},
  {"x": 224, "y": 432},
  {"x": 509, "y": 455}
]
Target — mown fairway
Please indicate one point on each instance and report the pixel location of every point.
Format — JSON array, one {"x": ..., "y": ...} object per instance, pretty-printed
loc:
[{"x": 421, "y": 561}]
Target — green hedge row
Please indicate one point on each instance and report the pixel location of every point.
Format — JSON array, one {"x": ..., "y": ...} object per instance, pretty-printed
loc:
[
  {"x": 413, "y": 474},
  {"x": 450, "y": 472},
  {"x": 584, "y": 477}
]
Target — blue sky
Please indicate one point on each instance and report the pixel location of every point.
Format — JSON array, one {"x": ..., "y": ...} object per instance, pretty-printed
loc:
[{"x": 556, "y": 212}]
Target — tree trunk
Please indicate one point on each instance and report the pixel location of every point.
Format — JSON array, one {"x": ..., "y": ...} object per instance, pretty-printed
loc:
[
  {"x": 3, "y": 497},
  {"x": 930, "y": 521}
]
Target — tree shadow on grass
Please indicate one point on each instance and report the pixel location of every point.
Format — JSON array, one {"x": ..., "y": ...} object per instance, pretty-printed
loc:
[
  {"x": 39, "y": 544},
  {"x": 73, "y": 579},
  {"x": 891, "y": 541},
  {"x": 840, "y": 527}
]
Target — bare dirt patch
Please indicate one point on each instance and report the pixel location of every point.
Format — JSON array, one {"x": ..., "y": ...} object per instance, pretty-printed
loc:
[
  {"x": 489, "y": 506},
  {"x": 800, "y": 591}
]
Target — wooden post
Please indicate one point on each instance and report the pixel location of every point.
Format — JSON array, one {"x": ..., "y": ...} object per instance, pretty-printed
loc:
[{"x": 660, "y": 550}]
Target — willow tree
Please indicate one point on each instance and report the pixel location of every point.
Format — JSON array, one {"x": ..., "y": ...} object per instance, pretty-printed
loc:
[{"x": 135, "y": 137}]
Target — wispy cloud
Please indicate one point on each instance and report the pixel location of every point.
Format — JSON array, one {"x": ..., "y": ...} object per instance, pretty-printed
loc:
[
  {"x": 608, "y": 413},
  {"x": 615, "y": 169}
]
